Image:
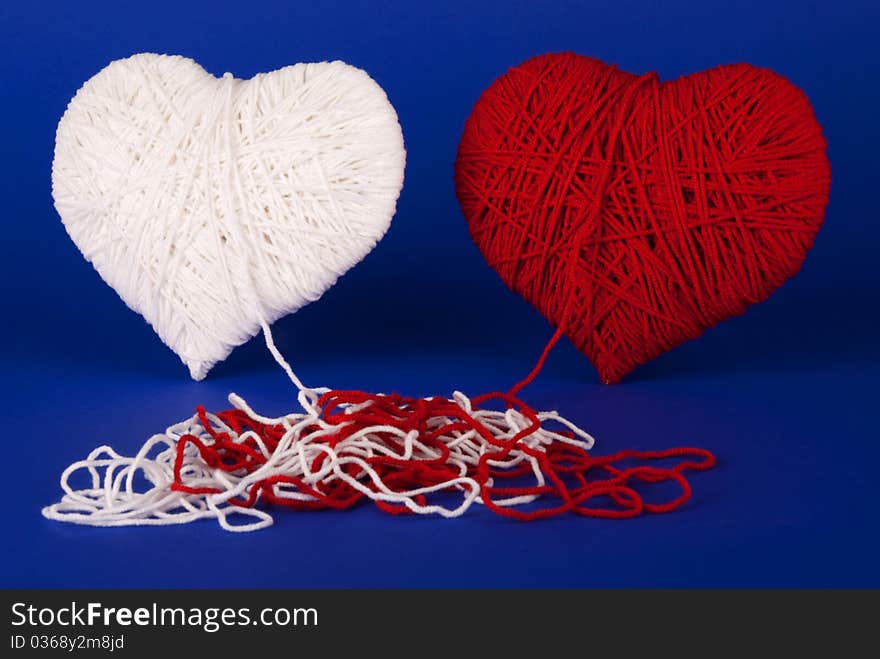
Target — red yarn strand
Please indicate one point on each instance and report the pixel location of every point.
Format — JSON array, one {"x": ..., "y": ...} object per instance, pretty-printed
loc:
[{"x": 573, "y": 477}]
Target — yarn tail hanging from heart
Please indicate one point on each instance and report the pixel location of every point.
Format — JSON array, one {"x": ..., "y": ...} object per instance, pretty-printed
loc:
[{"x": 408, "y": 455}]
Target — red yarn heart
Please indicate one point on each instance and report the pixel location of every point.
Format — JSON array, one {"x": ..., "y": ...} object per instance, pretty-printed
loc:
[{"x": 635, "y": 213}]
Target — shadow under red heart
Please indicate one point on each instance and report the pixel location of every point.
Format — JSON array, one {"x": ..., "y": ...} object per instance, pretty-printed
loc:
[{"x": 633, "y": 213}]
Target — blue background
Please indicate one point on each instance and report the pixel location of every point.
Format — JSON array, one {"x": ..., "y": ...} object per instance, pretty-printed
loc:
[{"x": 786, "y": 394}]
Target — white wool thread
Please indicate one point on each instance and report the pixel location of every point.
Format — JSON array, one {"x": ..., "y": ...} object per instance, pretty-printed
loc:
[
  {"x": 212, "y": 205},
  {"x": 111, "y": 496}
]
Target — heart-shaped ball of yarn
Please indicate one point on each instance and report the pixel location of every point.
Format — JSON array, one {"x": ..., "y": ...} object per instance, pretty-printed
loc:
[
  {"x": 633, "y": 213},
  {"x": 214, "y": 205}
]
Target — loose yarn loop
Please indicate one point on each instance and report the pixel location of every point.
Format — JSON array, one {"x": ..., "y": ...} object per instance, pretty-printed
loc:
[
  {"x": 399, "y": 452},
  {"x": 210, "y": 204},
  {"x": 633, "y": 213}
]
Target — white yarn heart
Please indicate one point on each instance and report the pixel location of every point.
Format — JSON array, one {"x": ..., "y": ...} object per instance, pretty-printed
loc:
[{"x": 215, "y": 205}]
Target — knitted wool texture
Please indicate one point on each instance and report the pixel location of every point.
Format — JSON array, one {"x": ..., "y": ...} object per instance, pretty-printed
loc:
[
  {"x": 633, "y": 213},
  {"x": 212, "y": 205}
]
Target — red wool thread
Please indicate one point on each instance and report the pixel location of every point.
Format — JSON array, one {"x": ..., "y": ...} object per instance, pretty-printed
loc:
[
  {"x": 633, "y": 213},
  {"x": 573, "y": 478}
]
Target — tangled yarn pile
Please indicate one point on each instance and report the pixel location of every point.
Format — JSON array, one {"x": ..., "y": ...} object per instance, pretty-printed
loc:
[
  {"x": 212, "y": 204},
  {"x": 634, "y": 213},
  {"x": 350, "y": 445}
]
